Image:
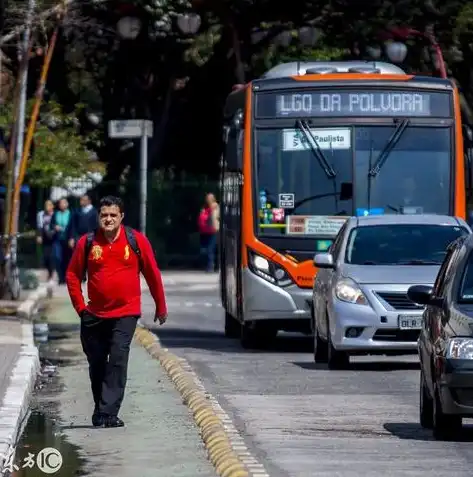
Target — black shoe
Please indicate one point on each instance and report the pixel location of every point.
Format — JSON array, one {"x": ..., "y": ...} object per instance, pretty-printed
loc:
[
  {"x": 98, "y": 420},
  {"x": 113, "y": 421}
]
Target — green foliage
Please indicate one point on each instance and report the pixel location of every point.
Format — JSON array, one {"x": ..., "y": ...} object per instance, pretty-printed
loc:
[{"x": 59, "y": 152}]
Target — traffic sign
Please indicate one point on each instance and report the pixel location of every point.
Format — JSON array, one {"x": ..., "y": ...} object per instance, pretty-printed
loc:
[{"x": 129, "y": 128}]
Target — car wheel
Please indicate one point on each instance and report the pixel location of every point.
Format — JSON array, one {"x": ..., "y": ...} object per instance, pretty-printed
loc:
[
  {"x": 445, "y": 426},
  {"x": 232, "y": 326},
  {"x": 426, "y": 404},
  {"x": 336, "y": 359},
  {"x": 320, "y": 346}
]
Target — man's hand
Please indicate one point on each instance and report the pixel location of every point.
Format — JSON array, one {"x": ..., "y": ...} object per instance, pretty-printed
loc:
[
  {"x": 39, "y": 240},
  {"x": 72, "y": 242},
  {"x": 162, "y": 319}
]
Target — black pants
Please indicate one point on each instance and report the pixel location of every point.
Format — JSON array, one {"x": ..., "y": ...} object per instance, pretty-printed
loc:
[
  {"x": 106, "y": 343},
  {"x": 48, "y": 259}
]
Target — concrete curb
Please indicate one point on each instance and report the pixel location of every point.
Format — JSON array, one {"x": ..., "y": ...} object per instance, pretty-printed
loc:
[
  {"x": 27, "y": 308},
  {"x": 14, "y": 411},
  {"x": 15, "y": 407},
  {"x": 213, "y": 431}
]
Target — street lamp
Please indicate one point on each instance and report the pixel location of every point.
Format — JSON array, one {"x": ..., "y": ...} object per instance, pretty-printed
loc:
[
  {"x": 129, "y": 27},
  {"x": 396, "y": 51},
  {"x": 188, "y": 23},
  {"x": 284, "y": 39},
  {"x": 308, "y": 35},
  {"x": 439, "y": 62},
  {"x": 257, "y": 36}
]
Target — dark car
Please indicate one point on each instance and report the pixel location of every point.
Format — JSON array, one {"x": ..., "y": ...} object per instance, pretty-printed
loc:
[{"x": 445, "y": 343}]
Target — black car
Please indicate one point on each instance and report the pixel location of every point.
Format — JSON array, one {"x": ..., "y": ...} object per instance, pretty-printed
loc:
[{"x": 446, "y": 342}]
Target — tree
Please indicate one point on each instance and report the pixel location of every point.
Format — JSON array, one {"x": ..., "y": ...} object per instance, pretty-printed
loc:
[{"x": 59, "y": 153}]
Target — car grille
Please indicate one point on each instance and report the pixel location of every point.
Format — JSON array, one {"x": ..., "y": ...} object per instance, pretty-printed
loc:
[
  {"x": 399, "y": 301},
  {"x": 393, "y": 334}
]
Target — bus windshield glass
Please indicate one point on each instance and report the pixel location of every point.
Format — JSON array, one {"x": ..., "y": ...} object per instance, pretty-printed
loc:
[
  {"x": 293, "y": 183},
  {"x": 308, "y": 180},
  {"x": 413, "y": 179}
]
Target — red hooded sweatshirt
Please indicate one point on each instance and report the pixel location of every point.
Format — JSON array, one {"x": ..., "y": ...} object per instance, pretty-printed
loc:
[{"x": 113, "y": 284}]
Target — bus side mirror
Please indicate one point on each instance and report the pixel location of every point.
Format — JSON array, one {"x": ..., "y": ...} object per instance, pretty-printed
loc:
[{"x": 346, "y": 191}]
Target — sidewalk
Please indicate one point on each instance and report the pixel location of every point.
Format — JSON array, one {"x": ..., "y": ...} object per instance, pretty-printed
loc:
[
  {"x": 19, "y": 366},
  {"x": 159, "y": 439}
]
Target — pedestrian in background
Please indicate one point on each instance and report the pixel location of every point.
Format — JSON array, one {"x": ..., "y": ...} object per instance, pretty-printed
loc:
[
  {"x": 61, "y": 224},
  {"x": 45, "y": 235},
  {"x": 113, "y": 258},
  {"x": 85, "y": 220},
  {"x": 209, "y": 225}
]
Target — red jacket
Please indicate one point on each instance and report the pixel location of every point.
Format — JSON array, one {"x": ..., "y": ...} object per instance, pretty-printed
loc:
[
  {"x": 205, "y": 221},
  {"x": 113, "y": 284}
]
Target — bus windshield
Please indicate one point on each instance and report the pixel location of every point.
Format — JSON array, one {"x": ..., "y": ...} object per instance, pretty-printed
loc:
[
  {"x": 414, "y": 178},
  {"x": 297, "y": 195}
]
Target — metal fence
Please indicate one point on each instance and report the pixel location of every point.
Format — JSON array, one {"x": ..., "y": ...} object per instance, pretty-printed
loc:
[{"x": 172, "y": 210}]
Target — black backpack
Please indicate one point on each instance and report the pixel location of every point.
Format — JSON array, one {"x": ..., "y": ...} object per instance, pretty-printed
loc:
[{"x": 130, "y": 236}]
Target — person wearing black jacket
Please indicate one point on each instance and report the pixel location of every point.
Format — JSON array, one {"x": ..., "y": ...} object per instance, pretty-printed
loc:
[
  {"x": 45, "y": 235},
  {"x": 85, "y": 220}
]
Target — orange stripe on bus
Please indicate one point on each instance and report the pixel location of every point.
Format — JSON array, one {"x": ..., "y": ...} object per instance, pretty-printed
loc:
[{"x": 460, "y": 200}]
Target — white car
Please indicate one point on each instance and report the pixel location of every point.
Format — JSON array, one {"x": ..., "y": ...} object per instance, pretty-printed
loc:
[{"x": 360, "y": 303}]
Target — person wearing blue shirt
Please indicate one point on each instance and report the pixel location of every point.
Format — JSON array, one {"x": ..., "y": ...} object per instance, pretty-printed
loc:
[{"x": 62, "y": 225}]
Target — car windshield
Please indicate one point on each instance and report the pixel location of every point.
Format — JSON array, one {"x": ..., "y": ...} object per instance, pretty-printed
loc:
[
  {"x": 293, "y": 182},
  {"x": 402, "y": 244},
  {"x": 419, "y": 163}
]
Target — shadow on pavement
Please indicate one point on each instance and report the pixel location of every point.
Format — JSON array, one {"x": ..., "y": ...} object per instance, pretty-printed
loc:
[
  {"x": 216, "y": 341},
  {"x": 415, "y": 432},
  {"x": 365, "y": 366}
]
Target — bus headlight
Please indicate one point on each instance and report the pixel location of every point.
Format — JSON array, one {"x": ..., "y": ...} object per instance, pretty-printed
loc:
[
  {"x": 347, "y": 290},
  {"x": 268, "y": 270},
  {"x": 460, "y": 348}
]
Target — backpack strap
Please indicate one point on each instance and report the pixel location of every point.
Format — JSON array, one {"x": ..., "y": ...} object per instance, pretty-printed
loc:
[
  {"x": 88, "y": 245},
  {"x": 131, "y": 237}
]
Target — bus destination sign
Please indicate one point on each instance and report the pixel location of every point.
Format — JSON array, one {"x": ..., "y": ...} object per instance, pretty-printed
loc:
[{"x": 353, "y": 103}]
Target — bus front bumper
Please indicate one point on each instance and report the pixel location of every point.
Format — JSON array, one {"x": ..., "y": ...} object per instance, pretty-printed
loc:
[{"x": 264, "y": 301}]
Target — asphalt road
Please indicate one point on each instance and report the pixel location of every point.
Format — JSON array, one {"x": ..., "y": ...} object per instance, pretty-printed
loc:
[{"x": 301, "y": 420}]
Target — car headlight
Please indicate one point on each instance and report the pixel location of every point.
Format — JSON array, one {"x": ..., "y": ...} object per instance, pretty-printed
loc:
[
  {"x": 270, "y": 271},
  {"x": 460, "y": 348},
  {"x": 347, "y": 290}
]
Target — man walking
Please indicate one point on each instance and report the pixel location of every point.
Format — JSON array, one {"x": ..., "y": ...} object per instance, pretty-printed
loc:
[
  {"x": 85, "y": 220},
  {"x": 113, "y": 256}
]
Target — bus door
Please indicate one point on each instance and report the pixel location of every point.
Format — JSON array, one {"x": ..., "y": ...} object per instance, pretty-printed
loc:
[{"x": 230, "y": 231}]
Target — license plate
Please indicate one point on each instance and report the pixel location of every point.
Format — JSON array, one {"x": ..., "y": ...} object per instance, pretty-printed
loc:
[{"x": 410, "y": 322}]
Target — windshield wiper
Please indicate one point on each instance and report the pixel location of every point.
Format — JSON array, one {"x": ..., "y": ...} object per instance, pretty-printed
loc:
[
  {"x": 418, "y": 262},
  {"x": 324, "y": 164},
  {"x": 393, "y": 140}
]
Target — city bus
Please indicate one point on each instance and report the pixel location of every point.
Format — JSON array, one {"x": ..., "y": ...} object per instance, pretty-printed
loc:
[{"x": 306, "y": 146}]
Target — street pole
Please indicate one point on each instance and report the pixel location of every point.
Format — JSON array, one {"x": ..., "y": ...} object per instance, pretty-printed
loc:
[
  {"x": 143, "y": 176},
  {"x": 21, "y": 118}
]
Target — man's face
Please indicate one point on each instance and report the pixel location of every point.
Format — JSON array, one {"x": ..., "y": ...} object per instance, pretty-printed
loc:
[
  {"x": 63, "y": 204},
  {"x": 110, "y": 218},
  {"x": 84, "y": 201}
]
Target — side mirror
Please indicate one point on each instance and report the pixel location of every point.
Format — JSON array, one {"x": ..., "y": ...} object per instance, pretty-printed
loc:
[
  {"x": 324, "y": 260},
  {"x": 422, "y": 294}
]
